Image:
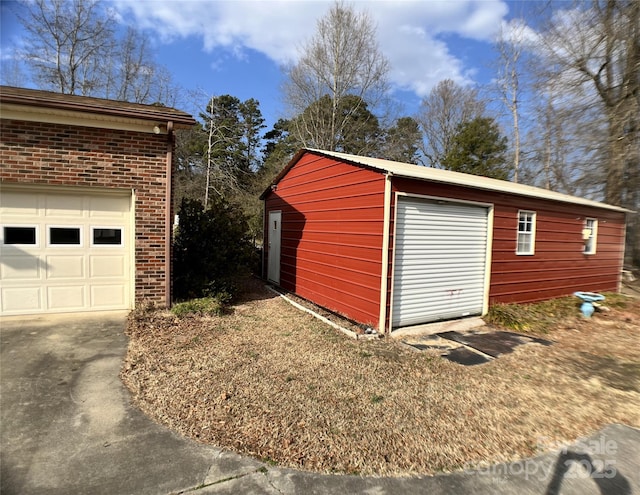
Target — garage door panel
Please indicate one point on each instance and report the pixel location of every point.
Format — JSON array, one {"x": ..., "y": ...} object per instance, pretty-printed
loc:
[
  {"x": 449, "y": 258},
  {"x": 441, "y": 246},
  {"x": 17, "y": 204},
  {"x": 16, "y": 300},
  {"x": 108, "y": 296},
  {"x": 91, "y": 274},
  {"x": 65, "y": 267},
  {"x": 66, "y": 297},
  {"x": 409, "y": 243},
  {"x": 435, "y": 284},
  {"x": 25, "y": 267},
  {"x": 439, "y": 261},
  {"x": 108, "y": 208},
  {"x": 441, "y": 292},
  {"x": 107, "y": 266},
  {"x": 435, "y": 272},
  {"x": 64, "y": 206}
]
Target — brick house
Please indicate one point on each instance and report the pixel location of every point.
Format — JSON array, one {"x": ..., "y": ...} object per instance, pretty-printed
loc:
[{"x": 85, "y": 202}]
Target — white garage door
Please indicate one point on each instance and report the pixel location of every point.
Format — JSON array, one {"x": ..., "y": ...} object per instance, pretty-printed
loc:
[
  {"x": 63, "y": 252},
  {"x": 440, "y": 261}
]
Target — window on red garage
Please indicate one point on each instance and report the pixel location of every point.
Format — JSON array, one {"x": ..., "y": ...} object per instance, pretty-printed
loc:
[{"x": 526, "y": 232}]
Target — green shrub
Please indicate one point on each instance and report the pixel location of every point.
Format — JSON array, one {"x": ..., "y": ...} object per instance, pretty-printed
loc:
[
  {"x": 204, "y": 306},
  {"x": 212, "y": 249}
]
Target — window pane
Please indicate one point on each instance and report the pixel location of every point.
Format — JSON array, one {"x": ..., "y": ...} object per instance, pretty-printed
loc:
[
  {"x": 590, "y": 243},
  {"x": 20, "y": 235},
  {"x": 64, "y": 235},
  {"x": 107, "y": 236},
  {"x": 526, "y": 224}
]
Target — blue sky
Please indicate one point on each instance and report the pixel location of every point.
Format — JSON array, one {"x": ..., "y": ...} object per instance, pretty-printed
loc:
[{"x": 238, "y": 47}]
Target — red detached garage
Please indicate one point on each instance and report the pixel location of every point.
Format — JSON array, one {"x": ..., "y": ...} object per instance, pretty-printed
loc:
[{"x": 391, "y": 245}]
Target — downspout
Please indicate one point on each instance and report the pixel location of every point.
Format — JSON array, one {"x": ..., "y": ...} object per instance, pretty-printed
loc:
[
  {"x": 384, "y": 273},
  {"x": 622, "y": 252},
  {"x": 167, "y": 218}
]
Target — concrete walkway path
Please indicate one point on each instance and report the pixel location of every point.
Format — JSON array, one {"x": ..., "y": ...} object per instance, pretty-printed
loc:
[{"x": 67, "y": 427}]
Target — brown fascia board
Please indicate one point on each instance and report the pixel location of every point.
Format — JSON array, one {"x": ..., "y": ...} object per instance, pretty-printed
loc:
[{"x": 87, "y": 104}]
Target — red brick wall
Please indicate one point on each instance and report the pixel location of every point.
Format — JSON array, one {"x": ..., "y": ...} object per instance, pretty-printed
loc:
[{"x": 53, "y": 154}]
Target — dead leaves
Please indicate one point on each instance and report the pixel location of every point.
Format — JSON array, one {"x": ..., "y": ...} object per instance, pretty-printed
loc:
[{"x": 271, "y": 382}]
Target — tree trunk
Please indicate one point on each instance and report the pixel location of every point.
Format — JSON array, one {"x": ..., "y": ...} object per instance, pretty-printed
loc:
[{"x": 617, "y": 161}]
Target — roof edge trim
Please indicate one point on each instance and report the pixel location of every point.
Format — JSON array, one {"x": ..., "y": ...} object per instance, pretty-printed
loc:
[
  {"x": 30, "y": 98},
  {"x": 398, "y": 169}
]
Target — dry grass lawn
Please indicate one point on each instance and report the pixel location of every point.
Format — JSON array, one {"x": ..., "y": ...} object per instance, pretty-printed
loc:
[{"x": 272, "y": 382}]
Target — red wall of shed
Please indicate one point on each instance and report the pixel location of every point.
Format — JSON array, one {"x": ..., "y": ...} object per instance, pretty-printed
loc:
[
  {"x": 559, "y": 266},
  {"x": 332, "y": 226}
]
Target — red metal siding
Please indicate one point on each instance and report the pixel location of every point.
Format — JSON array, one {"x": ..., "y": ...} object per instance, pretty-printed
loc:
[
  {"x": 332, "y": 235},
  {"x": 558, "y": 267},
  {"x": 331, "y": 244}
]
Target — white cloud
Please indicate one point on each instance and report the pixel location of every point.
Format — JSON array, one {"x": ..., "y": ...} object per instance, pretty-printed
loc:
[
  {"x": 517, "y": 32},
  {"x": 411, "y": 33}
]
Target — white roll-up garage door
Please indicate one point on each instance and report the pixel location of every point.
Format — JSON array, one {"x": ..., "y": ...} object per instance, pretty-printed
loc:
[
  {"x": 64, "y": 251},
  {"x": 439, "y": 262}
]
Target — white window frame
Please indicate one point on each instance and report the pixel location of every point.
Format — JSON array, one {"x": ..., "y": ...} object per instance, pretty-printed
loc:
[
  {"x": 591, "y": 241},
  {"x": 107, "y": 227},
  {"x": 20, "y": 225},
  {"x": 65, "y": 246},
  {"x": 531, "y": 235}
]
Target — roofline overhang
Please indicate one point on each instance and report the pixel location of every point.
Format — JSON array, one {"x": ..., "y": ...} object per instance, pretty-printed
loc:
[
  {"x": 430, "y": 174},
  {"x": 42, "y": 106}
]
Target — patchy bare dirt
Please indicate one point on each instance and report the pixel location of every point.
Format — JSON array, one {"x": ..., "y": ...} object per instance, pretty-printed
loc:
[{"x": 272, "y": 382}]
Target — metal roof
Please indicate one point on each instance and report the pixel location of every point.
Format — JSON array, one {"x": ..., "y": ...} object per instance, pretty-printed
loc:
[{"x": 420, "y": 172}]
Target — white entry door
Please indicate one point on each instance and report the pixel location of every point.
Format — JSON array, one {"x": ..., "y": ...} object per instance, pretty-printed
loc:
[{"x": 275, "y": 229}]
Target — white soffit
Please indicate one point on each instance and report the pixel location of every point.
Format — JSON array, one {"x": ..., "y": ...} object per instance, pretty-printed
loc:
[{"x": 85, "y": 119}]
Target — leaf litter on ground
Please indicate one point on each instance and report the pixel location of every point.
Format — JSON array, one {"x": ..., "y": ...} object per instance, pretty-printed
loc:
[{"x": 272, "y": 382}]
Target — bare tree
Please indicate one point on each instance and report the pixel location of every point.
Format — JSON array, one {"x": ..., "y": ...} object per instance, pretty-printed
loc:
[
  {"x": 11, "y": 72},
  {"x": 566, "y": 146},
  {"x": 510, "y": 46},
  {"x": 594, "y": 49},
  {"x": 72, "y": 47},
  {"x": 341, "y": 60},
  {"x": 134, "y": 76},
  {"x": 66, "y": 41},
  {"x": 447, "y": 106}
]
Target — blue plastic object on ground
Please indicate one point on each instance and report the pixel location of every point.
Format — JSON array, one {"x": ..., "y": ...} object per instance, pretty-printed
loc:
[{"x": 588, "y": 298}]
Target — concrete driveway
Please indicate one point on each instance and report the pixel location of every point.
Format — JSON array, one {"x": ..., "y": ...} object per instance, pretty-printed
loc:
[
  {"x": 67, "y": 427},
  {"x": 67, "y": 423}
]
